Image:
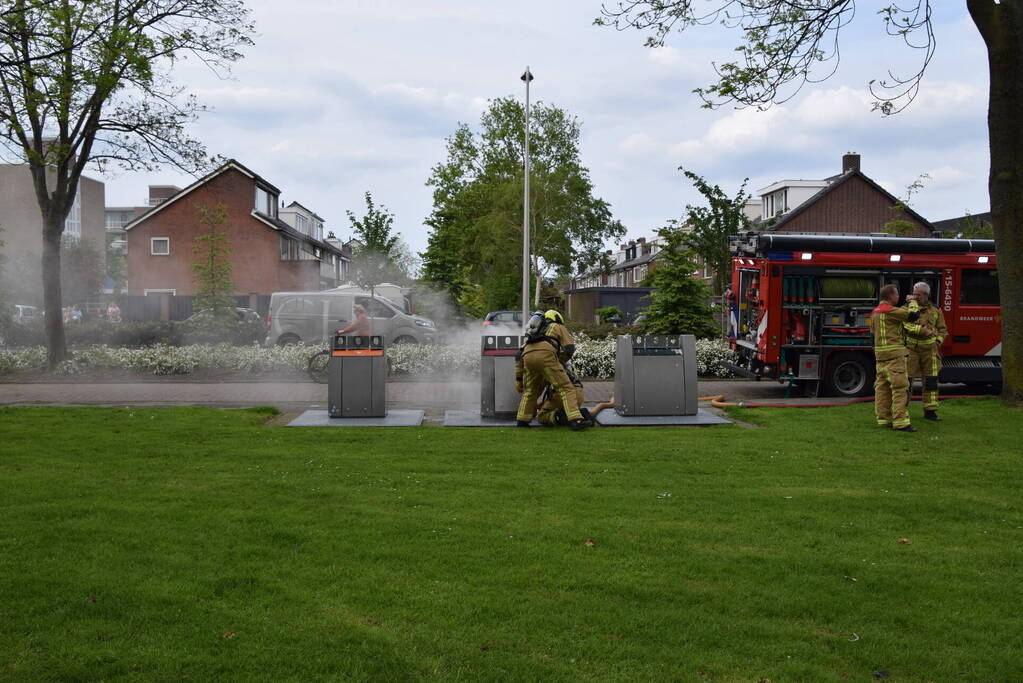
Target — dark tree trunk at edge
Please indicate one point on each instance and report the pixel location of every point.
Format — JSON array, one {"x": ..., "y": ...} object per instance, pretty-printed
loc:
[
  {"x": 1001, "y": 26},
  {"x": 56, "y": 345}
]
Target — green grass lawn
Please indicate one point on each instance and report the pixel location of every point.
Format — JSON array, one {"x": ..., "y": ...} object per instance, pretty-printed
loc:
[{"x": 160, "y": 544}]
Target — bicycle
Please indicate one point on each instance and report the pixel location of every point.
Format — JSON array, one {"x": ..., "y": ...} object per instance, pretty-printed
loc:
[{"x": 316, "y": 366}]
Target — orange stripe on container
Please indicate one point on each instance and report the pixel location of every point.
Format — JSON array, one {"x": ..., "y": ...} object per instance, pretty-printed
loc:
[{"x": 357, "y": 352}]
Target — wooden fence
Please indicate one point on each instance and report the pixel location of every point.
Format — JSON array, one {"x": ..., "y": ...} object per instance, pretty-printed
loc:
[{"x": 173, "y": 307}]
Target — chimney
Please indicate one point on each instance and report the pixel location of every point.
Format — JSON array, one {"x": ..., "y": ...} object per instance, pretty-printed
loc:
[
  {"x": 623, "y": 247},
  {"x": 850, "y": 162},
  {"x": 641, "y": 240}
]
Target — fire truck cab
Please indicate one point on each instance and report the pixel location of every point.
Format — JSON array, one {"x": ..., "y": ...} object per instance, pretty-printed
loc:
[{"x": 799, "y": 306}]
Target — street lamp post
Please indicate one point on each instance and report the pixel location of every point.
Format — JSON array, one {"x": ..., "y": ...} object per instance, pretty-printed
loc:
[{"x": 526, "y": 77}]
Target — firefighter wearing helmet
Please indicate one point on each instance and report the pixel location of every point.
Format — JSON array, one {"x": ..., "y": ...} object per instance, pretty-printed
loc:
[
  {"x": 540, "y": 362},
  {"x": 892, "y": 383},
  {"x": 923, "y": 341}
]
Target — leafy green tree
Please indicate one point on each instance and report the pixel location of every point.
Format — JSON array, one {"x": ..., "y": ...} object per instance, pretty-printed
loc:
[
  {"x": 970, "y": 227},
  {"x": 88, "y": 84},
  {"x": 709, "y": 227},
  {"x": 117, "y": 268},
  {"x": 901, "y": 225},
  {"x": 476, "y": 222},
  {"x": 380, "y": 255},
  {"x": 82, "y": 270},
  {"x": 785, "y": 44},
  {"x": 212, "y": 272},
  {"x": 678, "y": 304}
]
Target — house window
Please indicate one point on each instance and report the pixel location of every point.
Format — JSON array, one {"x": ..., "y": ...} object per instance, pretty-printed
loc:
[
  {"x": 118, "y": 219},
  {"x": 266, "y": 203},
  {"x": 291, "y": 250},
  {"x": 159, "y": 246},
  {"x": 319, "y": 230},
  {"x": 147, "y": 292},
  {"x": 301, "y": 223}
]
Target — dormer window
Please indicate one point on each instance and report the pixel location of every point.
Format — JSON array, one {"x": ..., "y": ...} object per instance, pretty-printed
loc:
[{"x": 266, "y": 202}]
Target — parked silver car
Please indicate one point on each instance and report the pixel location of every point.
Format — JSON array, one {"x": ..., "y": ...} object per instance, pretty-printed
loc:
[{"x": 313, "y": 317}]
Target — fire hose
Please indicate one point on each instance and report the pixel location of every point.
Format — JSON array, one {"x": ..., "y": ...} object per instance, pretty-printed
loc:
[{"x": 718, "y": 401}]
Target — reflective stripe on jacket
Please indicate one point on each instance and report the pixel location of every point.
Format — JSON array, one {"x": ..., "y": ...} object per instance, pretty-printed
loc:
[
  {"x": 930, "y": 318},
  {"x": 886, "y": 323}
]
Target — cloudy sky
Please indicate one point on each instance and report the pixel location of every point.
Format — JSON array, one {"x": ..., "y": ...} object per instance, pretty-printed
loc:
[{"x": 341, "y": 96}]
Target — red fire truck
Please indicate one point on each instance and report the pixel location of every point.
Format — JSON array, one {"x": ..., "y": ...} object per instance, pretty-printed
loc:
[{"x": 799, "y": 306}]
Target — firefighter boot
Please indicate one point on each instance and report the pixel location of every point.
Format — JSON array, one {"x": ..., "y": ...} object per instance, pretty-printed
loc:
[
  {"x": 907, "y": 428},
  {"x": 932, "y": 415},
  {"x": 522, "y": 423},
  {"x": 578, "y": 424}
]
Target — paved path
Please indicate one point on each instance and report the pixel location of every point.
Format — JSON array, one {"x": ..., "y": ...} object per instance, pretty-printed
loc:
[{"x": 434, "y": 397}]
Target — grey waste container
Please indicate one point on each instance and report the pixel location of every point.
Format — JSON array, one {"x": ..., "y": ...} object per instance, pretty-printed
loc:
[
  {"x": 656, "y": 375},
  {"x": 498, "y": 397},
  {"x": 357, "y": 376}
]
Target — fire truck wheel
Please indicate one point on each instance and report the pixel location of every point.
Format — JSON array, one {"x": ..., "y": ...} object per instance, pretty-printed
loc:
[{"x": 849, "y": 374}]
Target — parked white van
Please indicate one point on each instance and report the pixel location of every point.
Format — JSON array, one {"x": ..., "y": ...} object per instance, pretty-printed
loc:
[{"x": 313, "y": 317}]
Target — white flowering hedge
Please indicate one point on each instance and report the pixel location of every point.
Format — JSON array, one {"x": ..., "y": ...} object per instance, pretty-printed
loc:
[
  {"x": 594, "y": 359},
  {"x": 710, "y": 356},
  {"x": 163, "y": 359}
]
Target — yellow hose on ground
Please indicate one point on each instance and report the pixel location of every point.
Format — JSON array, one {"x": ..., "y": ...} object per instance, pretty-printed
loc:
[{"x": 718, "y": 401}]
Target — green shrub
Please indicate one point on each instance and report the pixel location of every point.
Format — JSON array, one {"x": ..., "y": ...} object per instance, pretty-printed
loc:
[
  {"x": 597, "y": 330},
  {"x": 610, "y": 315}
]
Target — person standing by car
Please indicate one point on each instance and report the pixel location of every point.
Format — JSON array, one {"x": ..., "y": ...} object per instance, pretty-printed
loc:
[
  {"x": 886, "y": 323},
  {"x": 362, "y": 326},
  {"x": 923, "y": 341}
]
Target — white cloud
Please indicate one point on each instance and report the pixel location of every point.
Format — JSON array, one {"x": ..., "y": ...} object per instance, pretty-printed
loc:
[
  {"x": 665, "y": 56},
  {"x": 337, "y": 98},
  {"x": 637, "y": 143},
  {"x": 945, "y": 176}
]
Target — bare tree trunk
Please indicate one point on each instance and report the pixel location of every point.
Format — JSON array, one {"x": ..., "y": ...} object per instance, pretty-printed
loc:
[
  {"x": 1001, "y": 26},
  {"x": 56, "y": 344},
  {"x": 536, "y": 294}
]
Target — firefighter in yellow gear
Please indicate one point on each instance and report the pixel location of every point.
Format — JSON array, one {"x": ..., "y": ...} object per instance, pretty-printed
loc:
[
  {"x": 923, "y": 340},
  {"x": 552, "y": 410},
  {"x": 540, "y": 362},
  {"x": 892, "y": 382}
]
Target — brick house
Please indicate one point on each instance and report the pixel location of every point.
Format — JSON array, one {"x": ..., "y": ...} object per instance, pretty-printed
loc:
[
  {"x": 269, "y": 254},
  {"x": 847, "y": 203},
  {"x": 619, "y": 286}
]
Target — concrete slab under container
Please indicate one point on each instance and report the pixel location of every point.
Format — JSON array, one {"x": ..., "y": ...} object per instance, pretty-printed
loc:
[
  {"x": 393, "y": 418},
  {"x": 703, "y": 418}
]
